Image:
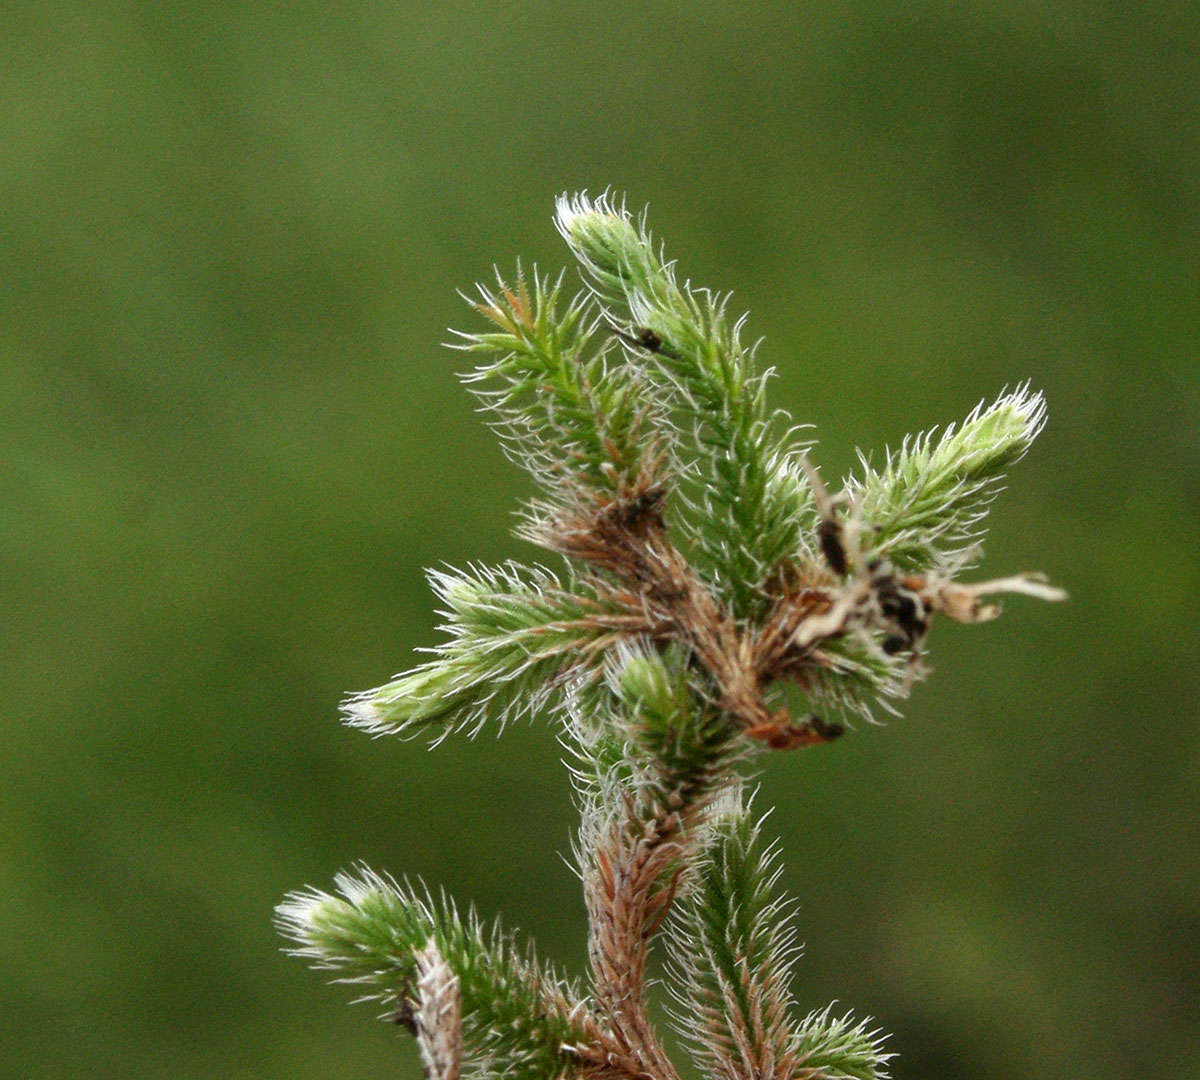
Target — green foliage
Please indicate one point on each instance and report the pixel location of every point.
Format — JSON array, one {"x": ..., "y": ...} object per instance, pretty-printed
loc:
[
  {"x": 856, "y": 679},
  {"x": 749, "y": 506},
  {"x": 513, "y": 1008},
  {"x": 232, "y": 234},
  {"x": 838, "y": 1048},
  {"x": 670, "y": 727},
  {"x": 708, "y": 565},
  {"x": 732, "y": 942},
  {"x": 513, "y": 631},
  {"x": 645, "y": 745},
  {"x": 567, "y": 413},
  {"x": 927, "y": 502}
]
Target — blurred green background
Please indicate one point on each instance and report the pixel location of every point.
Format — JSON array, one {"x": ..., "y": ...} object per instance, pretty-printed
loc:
[{"x": 230, "y": 239}]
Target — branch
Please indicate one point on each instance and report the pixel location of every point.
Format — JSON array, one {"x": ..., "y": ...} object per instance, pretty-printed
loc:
[
  {"x": 666, "y": 645},
  {"x": 751, "y": 501},
  {"x": 732, "y": 943},
  {"x": 516, "y": 635},
  {"x": 626, "y": 540},
  {"x": 574, "y": 419},
  {"x": 927, "y": 504},
  {"x": 518, "y": 1017}
]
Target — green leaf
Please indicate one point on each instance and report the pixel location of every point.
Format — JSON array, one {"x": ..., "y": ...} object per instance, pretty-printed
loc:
[
  {"x": 516, "y": 634},
  {"x": 926, "y": 505},
  {"x": 515, "y": 1011},
  {"x": 749, "y": 499},
  {"x": 732, "y": 943},
  {"x": 838, "y": 1048},
  {"x": 567, "y": 408}
]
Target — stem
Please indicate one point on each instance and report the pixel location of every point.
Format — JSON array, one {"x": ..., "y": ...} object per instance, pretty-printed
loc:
[{"x": 628, "y": 891}]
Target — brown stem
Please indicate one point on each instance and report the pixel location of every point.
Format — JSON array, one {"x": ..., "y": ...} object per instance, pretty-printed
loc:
[{"x": 626, "y": 898}]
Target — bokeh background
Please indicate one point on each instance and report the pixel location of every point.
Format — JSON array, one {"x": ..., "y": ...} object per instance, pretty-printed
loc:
[{"x": 230, "y": 239}]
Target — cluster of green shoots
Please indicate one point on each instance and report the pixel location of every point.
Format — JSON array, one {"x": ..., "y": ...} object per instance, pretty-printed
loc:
[{"x": 717, "y": 601}]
